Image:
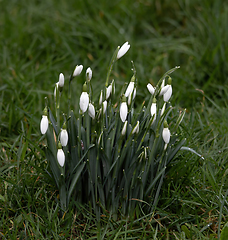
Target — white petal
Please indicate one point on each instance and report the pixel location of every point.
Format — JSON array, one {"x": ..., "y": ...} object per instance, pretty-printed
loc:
[
  {"x": 56, "y": 88},
  {"x": 108, "y": 91},
  {"x": 61, "y": 80},
  {"x": 168, "y": 94},
  {"x": 84, "y": 101},
  {"x": 101, "y": 97},
  {"x": 125, "y": 47},
  {"x": 123, "y": 111},
  {"x": 64, "y": 137},
  {"x": 77, "y": 70},
  {"x": 150, "y": 88},
  {"x": 164, "y": 90},
  {"x": 134, "y": 94},
  {"x": 166, "y": 135},
  {"x": 153, "y": 110},
  {"x": 123, "y": 132},
  {"x": 61, "y": 157},
  {"x": 136, "y": 128},
  {"x": 104, "y": 106},
  {"x": 44, "y": 124},
  {"x": 91, "y": 111},
  {"x": 89, "y": 73},
  {"x": 129, "y": 89},
  {"x": 163, "y": 109}
]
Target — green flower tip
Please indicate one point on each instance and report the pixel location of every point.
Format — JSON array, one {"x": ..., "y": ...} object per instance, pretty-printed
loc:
[
  {"x": 59, "y": 145},
  {"x": 133, "y": 78},
  {"x": 45, "y": 111},
  {"x": 165, "y": 124},
  {"x": 124, "y": 99},
  {"x": 154, "y": 100},
  {"x": 64, "y": 126},
  {"x": 169, "y": 81},
  {"x": 84, "y": 88}
]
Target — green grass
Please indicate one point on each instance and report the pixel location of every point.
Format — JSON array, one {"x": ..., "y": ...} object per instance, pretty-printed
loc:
[{"x": 40, "y": 39}]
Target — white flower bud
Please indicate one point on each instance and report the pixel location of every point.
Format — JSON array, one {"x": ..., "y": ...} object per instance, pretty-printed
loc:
[
  {"x": 44, "y": 124},
  {"x": 91, "y": 111},
  {"x": 61, "y": 80},
  {"x": 166, "y": 135},
  {"x": 77, "y": 70},
  {"x": 123, "y": 132},
  {"x": 129, "y": 89},
  {"x": 123, "y": 111},
  {"x": 64, "y": 137},
  {"x": 61, "y": 157},
  {"x": 164, "y": 90},
  {"x": 101, "y": 98},
  {"x": 108, "y": 91},
  {"x": 125, "y": 47},
  {"x": 89, "y": 73},
  {"x": 104, "y": 106},
  {"x": 153, "y": 109},
  {"x": 84, "y": 101},
  {"x": 136, "y": 128},
  {"x": 163, "y": 108},
  {"x": 167, "y": 95},
  {"x": 150, "y": 88},
  {"x": 56, "y": 89}
]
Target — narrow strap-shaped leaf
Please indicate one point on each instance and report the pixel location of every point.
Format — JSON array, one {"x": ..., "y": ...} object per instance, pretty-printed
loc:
[{"x": 77, "y": 174}]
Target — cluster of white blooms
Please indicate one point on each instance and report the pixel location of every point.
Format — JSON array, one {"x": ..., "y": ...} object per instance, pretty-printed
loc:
[{"x": 166, "y": 92}]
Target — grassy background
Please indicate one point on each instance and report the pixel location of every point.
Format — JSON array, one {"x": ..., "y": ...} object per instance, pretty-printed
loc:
[{"x": 40, "y": 39}]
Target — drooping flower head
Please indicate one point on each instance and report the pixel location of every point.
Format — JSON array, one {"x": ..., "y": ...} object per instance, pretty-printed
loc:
[
  {"x": 166, "y": 133},
  {"x": 136, "y": 128},
  {"x": 44, "y": 121},
  {"x": 167, "y": 95},
  {"x": 91, "y": 111},
  {"x": 61, "y": 80},
  {"x": 153, "y": 109},
  {"x": 123, "y": 109},
  {"x": 88, "y": 74},
  {"x": 60, "y": 155},
  {"x": 123, "y": 132},
  {"x": 64, "y": 136},
  {"x": 130, "y": 87},
  {"x": 125, "y": 47},
  {"x": 84, "y": 99},
  {"x": 150, "y": 88},
  {"x": 77, "y": 70}
]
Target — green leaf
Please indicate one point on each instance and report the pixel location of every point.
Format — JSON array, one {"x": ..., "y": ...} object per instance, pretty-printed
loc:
[{"x": 224, "y": 232}]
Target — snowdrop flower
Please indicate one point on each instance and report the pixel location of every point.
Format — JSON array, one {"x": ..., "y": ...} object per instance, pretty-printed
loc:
[
  {"x": 104, "y": 106},
  {"x": 108, "y": 91},
  {"x": 56, "y": 89},
  {"x": 123, "y": 132},
  {"x": 163, "y": 108},
  {"x": 130, "y": 87},
  {"x": 101, "y": 97},
  {"x": 123, "y": 109},
  {"x": 77, "y": 70},
  {"x": 61, "y": 80},
  {"x": 84, "y": 99},
  {"x": 64, "y": 136},
  {"x": 150, "y": 88},
  {"x": 113, "y": 87},
  {"x": 91, "y": 111},
  {"x": 164, "y": 90},
  {"x": 166, "y": 133},
  {"x": 44, "y": 122},
  {"x": 89, "y": 73},
  {"x": 60, "y": 155},
  {"x": 136, "y": 128},
  {"x": 153, "y": 108},
  {"x": 167, "y": 95},
  {"x": 125, "y": 47}
]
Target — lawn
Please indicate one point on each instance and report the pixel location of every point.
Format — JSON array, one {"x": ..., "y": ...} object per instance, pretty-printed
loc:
[{"x": 41, "y": 39}]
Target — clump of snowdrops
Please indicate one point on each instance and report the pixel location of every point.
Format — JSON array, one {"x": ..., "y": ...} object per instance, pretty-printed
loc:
[{"x": 106, "y": 153}]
